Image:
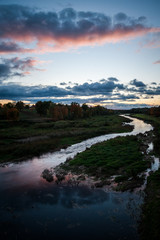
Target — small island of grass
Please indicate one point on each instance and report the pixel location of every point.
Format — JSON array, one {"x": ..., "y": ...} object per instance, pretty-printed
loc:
[{"x": 121, "y": 156}]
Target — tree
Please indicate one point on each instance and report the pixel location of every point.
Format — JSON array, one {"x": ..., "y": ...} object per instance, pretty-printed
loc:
[
  {"x": 75, "y": 111},
  {"x": 20, "y": 106},
  {"x": 86, "y": 110},
  {"x": 9, "y": 105},
  {"x": 58, "y": 112},
  {"x": 85, "y": 107},
  {"x": 64, "y": 110},
  {"x": 26, "y": 106},
  {"x": 155, "y": 111},
  {"x": 42, "y": 107},
  {"x": 12, "y": 114}
]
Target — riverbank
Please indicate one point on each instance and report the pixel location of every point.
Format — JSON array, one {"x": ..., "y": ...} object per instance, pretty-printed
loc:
[
  {"x": 155, "y": 121},
  {"x": 32, "y": 207},
  {"x": 25, "y": 139},
  {"x": 150, "y": 226},
  {"x": 115, "y": 163}
]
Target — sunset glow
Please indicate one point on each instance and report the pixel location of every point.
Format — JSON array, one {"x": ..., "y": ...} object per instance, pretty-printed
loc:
[{"x": 93, "y": 54}]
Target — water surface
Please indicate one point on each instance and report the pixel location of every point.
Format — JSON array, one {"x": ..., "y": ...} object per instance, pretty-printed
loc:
[{"x": 31, "y": 208}]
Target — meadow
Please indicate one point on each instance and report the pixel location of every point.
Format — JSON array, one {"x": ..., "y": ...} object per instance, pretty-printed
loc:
[{"x": 33, "y": 135}]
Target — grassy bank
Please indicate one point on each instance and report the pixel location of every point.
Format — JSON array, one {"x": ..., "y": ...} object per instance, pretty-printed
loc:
[
  {"x": 155, "y": 121},
  {"x": 150, "y": 224},
  {"x": 120, "y": 156},
  {"x": 33, "y": 135}
]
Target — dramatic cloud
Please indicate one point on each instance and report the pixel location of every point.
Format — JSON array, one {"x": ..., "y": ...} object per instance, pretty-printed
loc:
[
  {"x": 57, "y": 31},
  {"x": 16, "y": 67},
  {"x": 100, "y": 92}
]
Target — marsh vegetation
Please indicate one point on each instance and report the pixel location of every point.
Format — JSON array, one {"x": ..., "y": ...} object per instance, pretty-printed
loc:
[{"x": 33, "y": 135}]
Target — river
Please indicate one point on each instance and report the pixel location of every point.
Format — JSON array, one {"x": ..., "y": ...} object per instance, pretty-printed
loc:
[{"x": 31, "y": 208}]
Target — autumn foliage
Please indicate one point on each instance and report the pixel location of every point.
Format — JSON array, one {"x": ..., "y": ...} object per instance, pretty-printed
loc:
[
  {"x": 73, "y": 111},
  {"x": 154, "y": 111},
  {"x": 9, "y": 112},
  {"x": 12, "y": 114}
]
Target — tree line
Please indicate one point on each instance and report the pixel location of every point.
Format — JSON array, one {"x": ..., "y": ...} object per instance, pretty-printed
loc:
[
  {"x": 11, "y": 111},
  {"x": 153, "y": 111},
  {"x": 72, "y": 111}
]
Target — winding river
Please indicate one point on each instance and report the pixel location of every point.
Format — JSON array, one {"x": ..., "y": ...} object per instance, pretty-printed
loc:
[{"x": 31, "y": 208}]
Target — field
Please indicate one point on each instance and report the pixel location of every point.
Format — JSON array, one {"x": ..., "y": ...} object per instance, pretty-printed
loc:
[{"x": 33, "y": 135}]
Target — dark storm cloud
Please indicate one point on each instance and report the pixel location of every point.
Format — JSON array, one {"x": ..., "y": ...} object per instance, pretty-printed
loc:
[{"x": 67, "y": 28}]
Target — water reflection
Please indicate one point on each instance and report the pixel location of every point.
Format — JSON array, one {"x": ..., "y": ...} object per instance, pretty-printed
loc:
[
  {"x": 29, "y": 171},
  {"x": 31, "y": 208},
  {"x": 67, "y": 213}
]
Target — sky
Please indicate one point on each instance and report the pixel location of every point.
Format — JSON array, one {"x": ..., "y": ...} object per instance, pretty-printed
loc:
[{"x": 89, "y": 51}]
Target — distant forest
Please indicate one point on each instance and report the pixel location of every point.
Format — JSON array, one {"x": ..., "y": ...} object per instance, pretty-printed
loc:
[{"x": 56, "y": 112}]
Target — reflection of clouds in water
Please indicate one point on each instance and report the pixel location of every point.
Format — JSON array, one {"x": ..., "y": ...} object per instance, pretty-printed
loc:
[
  {"x": 66, "y": 197},
  {"x": 30, "y": 171},
  {"x": 24, "y": 194},
  {"x": 68, "y": 208},
  {"x": 72, "y": 197}
]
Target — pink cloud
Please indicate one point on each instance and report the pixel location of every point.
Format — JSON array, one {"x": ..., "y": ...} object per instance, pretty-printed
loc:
[{"x": 60, "y": 31}]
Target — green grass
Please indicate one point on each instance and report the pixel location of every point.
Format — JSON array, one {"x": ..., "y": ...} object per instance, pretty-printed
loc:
[
  {"x": 121, "y": 155},
  {"x": 150, "y": 224},
  {"x": 59, "y": 134}
]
